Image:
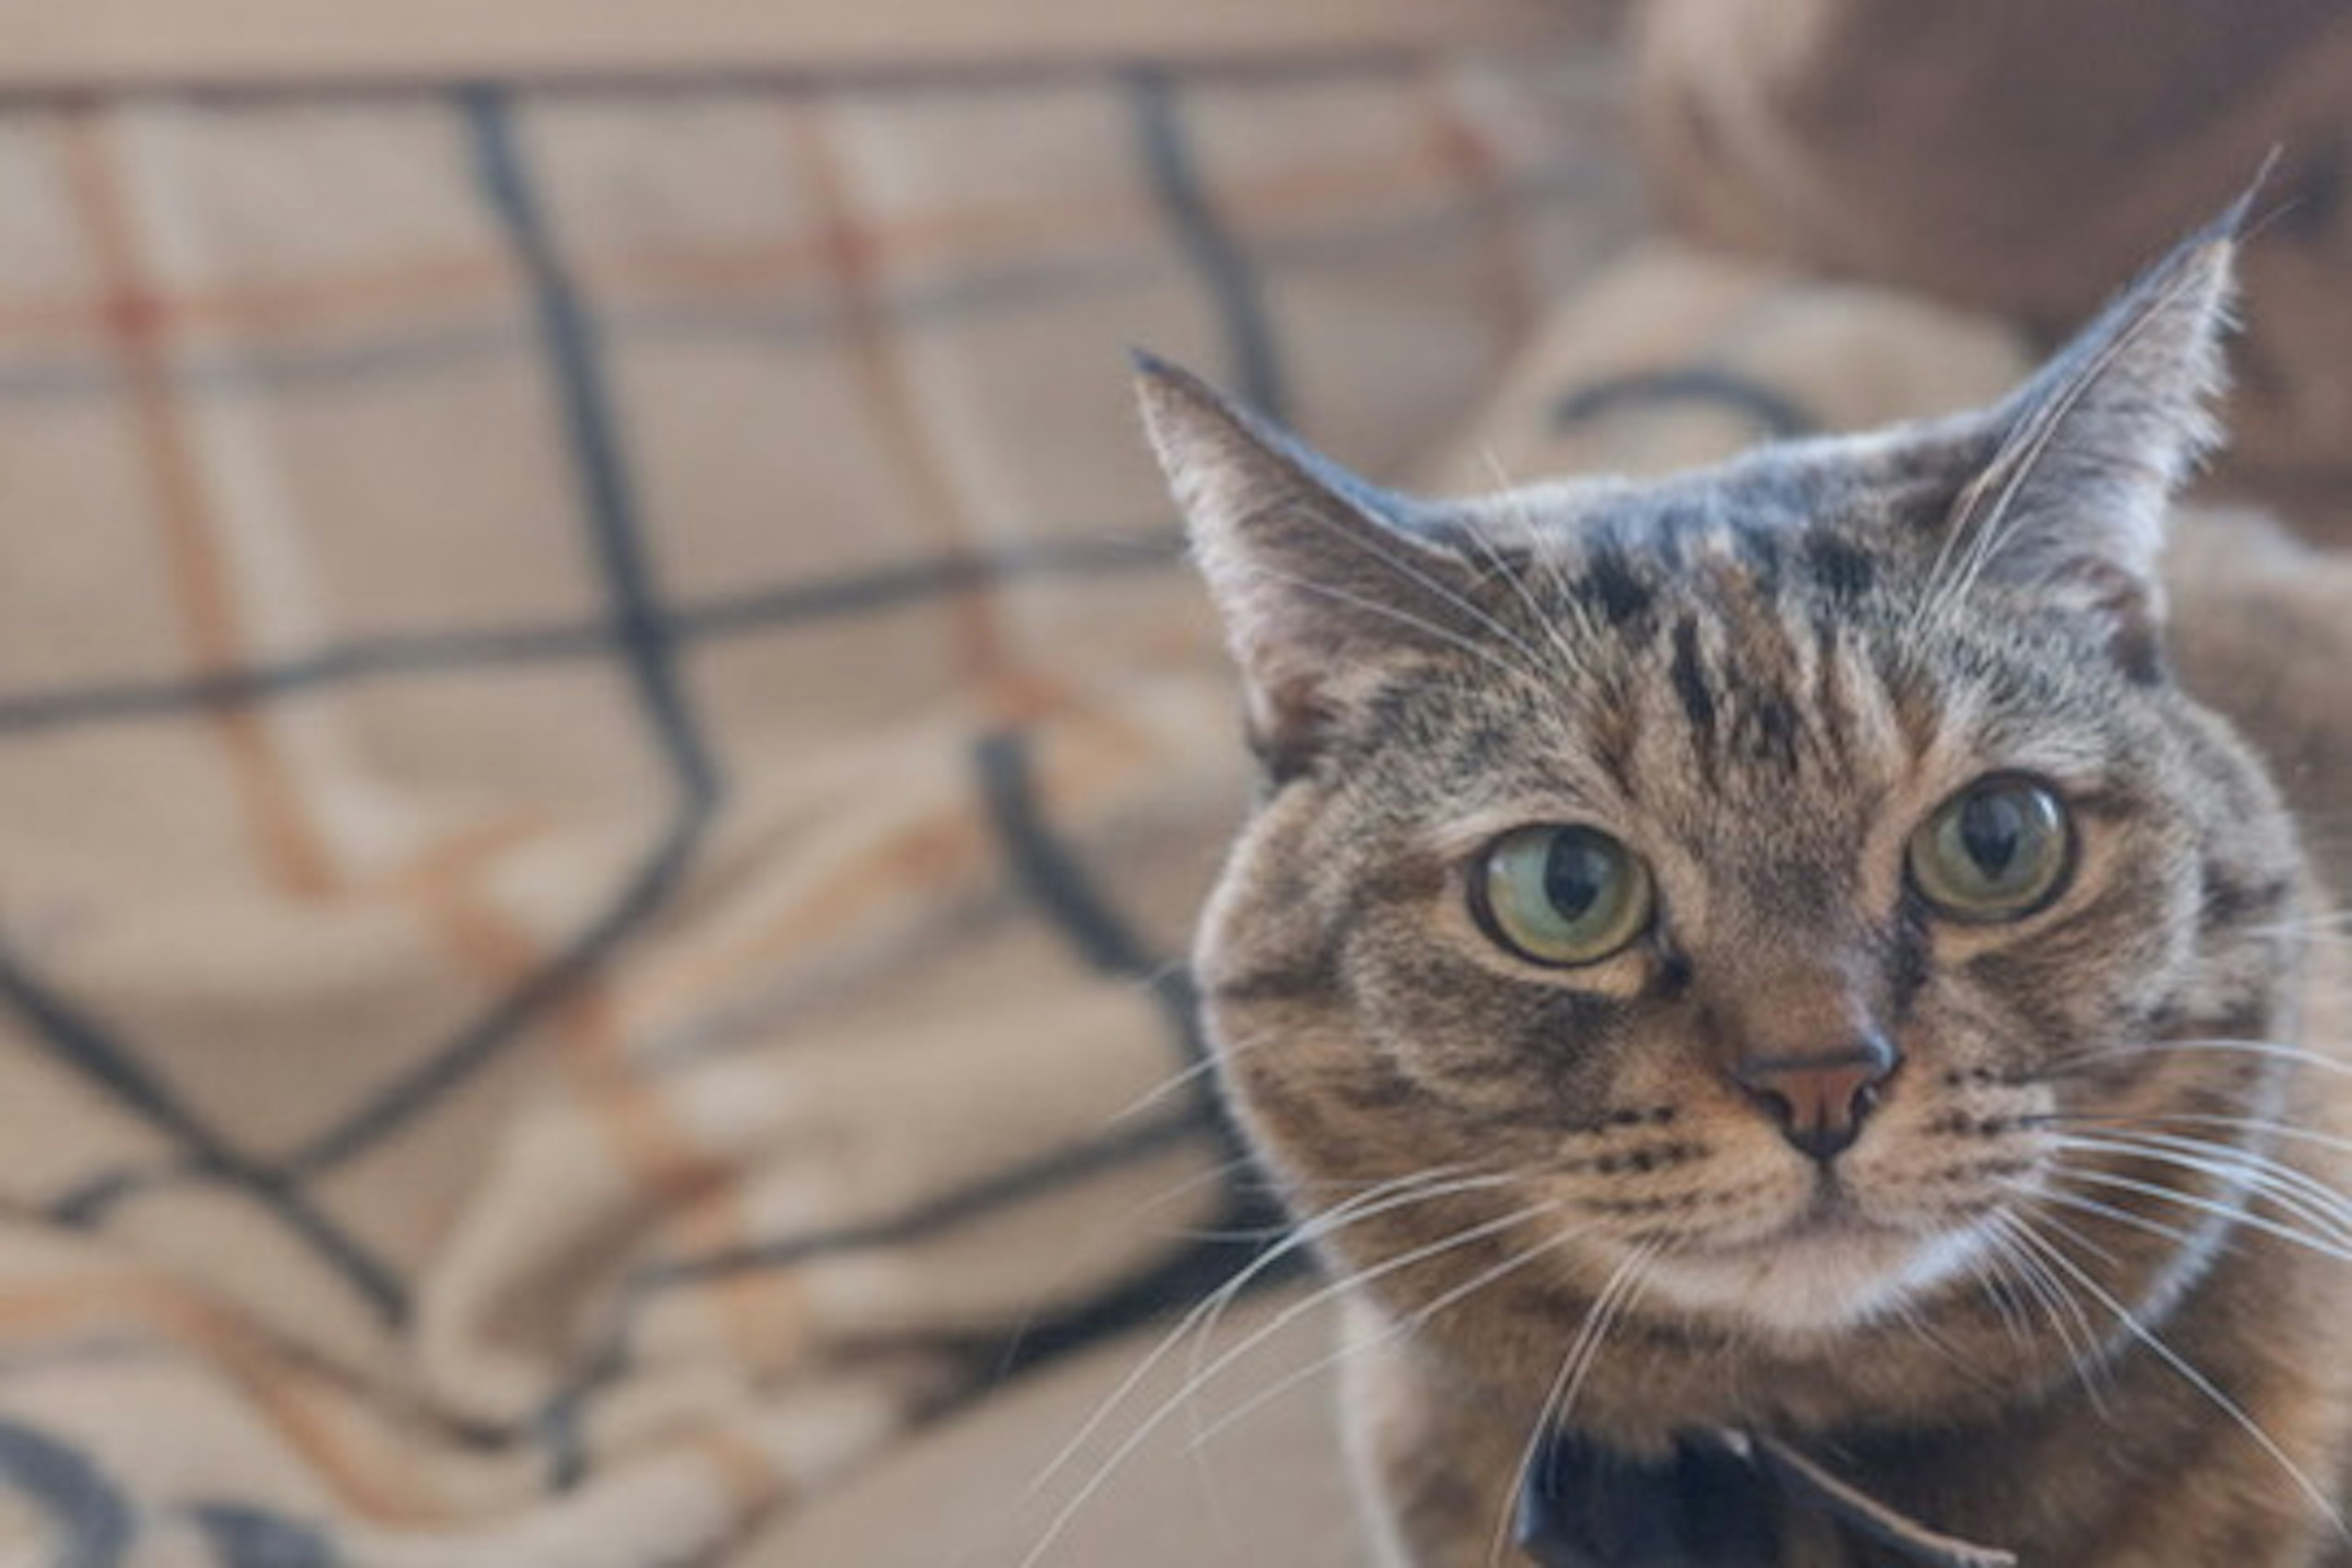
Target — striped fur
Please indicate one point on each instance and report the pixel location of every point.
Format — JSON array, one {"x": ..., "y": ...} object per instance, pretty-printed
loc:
[{"x": 2080, "y": 1250}]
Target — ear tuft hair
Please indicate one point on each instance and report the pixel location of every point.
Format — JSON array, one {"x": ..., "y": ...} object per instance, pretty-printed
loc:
[
  {"x": 2074, "y": 501},
  {"x": 1315, "y": 570}
]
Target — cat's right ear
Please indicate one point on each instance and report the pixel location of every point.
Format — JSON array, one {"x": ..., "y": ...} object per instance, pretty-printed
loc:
[{"x": 1319, "y": 573}]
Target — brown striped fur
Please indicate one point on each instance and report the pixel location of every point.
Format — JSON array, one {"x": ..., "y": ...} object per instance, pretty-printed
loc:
[{"x": 1763, "y": 676}]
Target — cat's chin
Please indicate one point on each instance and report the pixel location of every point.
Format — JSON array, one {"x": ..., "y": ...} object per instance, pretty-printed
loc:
[{"x": 1818, "y": 1277}]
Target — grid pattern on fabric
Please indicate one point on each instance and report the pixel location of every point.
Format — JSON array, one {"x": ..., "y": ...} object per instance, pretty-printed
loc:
[{"x": 603, "y": 756}]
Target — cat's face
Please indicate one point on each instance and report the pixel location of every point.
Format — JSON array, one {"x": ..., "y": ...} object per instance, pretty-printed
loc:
[{"x": 1781, "y": 878}]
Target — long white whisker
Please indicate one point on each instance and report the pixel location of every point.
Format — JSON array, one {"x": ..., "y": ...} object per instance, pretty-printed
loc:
[
  {"x": 2132, "y": 1325},
  {"x": 1401, "y": 617},
  {"x": 2222, "y": 1210},
  {"x": 1404, "y": 1326},
  {"x": 2322, "y": 1206},
  {"x": 1373, "y": 1200},
  {"x": 1621, "y": 1286},
  {"x": 1412, "y": 573},
  {"x": 2085, "y": 1354},
  {"x": 2285, "y": 1130},
  {"x": 1142, "y": 1433},
  {"x": 2279, "y": 1050}
]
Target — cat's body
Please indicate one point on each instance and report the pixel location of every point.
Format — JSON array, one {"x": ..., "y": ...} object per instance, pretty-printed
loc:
[{"x": 1776, "y": 950}]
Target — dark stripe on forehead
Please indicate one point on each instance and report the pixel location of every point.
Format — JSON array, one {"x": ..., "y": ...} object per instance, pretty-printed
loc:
[
  {"x": 1842, "y": 569},
  {"x": 1829, "y": 689},
  {"x": 1759, "y": 544},
  {"x": 1690, "y": 678},
  {"x": 1611, "y": 587},
  {"x": 1770, "y": 726}
]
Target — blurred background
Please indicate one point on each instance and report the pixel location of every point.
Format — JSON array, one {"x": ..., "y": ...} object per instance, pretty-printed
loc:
[{"x": 607, "y": 755}]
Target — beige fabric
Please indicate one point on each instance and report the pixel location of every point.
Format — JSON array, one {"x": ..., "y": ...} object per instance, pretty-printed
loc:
[
  {"x": 606, "y": 756},
  {"x": 1675, "y": 357},
  {"x": 1246, "y": 1472},
  {"x": 117, "y": 42}
]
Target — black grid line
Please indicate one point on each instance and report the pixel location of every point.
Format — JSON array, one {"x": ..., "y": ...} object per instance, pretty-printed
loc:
[
  {"x": 1769, "y": 408},
  {"x": 609, "y": 510},
  {"x": 78, "y": 1041},
  {"x": 639, "y": 635},
  {"x": 782, "y": 607},
  {"x": 1213, "y": 251},
  {"x": 92, "y": 1524},
  {"x": 1064, "y": 893}
]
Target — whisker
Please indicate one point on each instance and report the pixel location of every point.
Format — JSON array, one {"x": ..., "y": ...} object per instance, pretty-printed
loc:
[
  {"x": 1217, "y": 1303},
  {"x": 2222, "y": 1401},
  {"x": 1417, "y": 1186},
  {"x": 2237, "y": 1213},
  {"x": 1403, "y": 1328},
  {"x": 2085, "y": 1356},
  {"x": 1191, "y": 1072},
  {"x": 1622, "y": 1286},
  {"x": 1991, "y": 1279},
  {"x": 2285, "y": 1130},
  {"x": 1502, "y": 569},
  {"x": 2277, "y": 1050},
  {"x": 1401, "y": 617},
  {"x": 1411, "y": 573},
  {"x": 2245, "y": 1174}
]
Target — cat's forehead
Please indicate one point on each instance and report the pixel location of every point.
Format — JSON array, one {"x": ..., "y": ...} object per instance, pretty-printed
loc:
[{"x": 1883, "y": 495}]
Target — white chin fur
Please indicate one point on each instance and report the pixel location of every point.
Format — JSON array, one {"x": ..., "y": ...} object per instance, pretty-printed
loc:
[{"x": 1813, "y": 1284}]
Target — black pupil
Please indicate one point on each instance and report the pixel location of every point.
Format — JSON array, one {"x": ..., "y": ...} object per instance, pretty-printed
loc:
[
  {"x": 1577, "y": 874},
  {"x": 1993, "y": 829}
]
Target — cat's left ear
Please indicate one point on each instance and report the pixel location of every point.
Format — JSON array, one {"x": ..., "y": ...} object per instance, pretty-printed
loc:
[
  {"x": 1319, "y": 575},
  {"x": 2073, "y": 505}
]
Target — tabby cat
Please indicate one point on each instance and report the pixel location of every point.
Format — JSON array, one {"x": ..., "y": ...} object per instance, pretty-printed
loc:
[{"x": 1769, "y": 969}]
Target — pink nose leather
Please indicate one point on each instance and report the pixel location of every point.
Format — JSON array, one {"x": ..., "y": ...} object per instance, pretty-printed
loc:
[{"x": 1819, "y": 1102}]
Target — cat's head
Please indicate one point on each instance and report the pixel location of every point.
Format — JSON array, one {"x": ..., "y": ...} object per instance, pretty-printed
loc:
[{"x": 1781, "y": 875}]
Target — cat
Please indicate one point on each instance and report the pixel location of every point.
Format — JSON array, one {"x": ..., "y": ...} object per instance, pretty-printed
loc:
[{"x": 1767, "y": 971}]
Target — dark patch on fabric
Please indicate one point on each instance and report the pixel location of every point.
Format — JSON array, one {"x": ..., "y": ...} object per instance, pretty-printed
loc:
[
  {"x": 1690, "y": 680},
  {"x": 244, "y": 1536},
  {"x": 1770, "y": 410},
  {"x": 90, "y": 1521},
  {"x": 1128, "y": 1146},
  {"x": 1065, "y": 891}
]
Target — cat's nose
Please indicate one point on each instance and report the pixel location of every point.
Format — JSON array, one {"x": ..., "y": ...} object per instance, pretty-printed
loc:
[{"x": 1819, "y": 1102}]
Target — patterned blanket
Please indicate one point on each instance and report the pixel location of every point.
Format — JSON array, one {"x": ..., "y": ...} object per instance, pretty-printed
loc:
[{"x": 605, "y": 757}]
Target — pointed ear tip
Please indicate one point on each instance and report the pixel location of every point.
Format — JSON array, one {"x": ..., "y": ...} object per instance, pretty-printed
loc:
[
  {"x": 2238, "y": 221},
  {"x": 1147, "y": 365},
  {"x": 1174, "y": 399}
]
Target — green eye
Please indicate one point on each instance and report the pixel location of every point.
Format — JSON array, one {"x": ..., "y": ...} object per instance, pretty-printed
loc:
[
  {"x": 1999, "y": 850},
  {"x": 1560, "y": 896}
]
